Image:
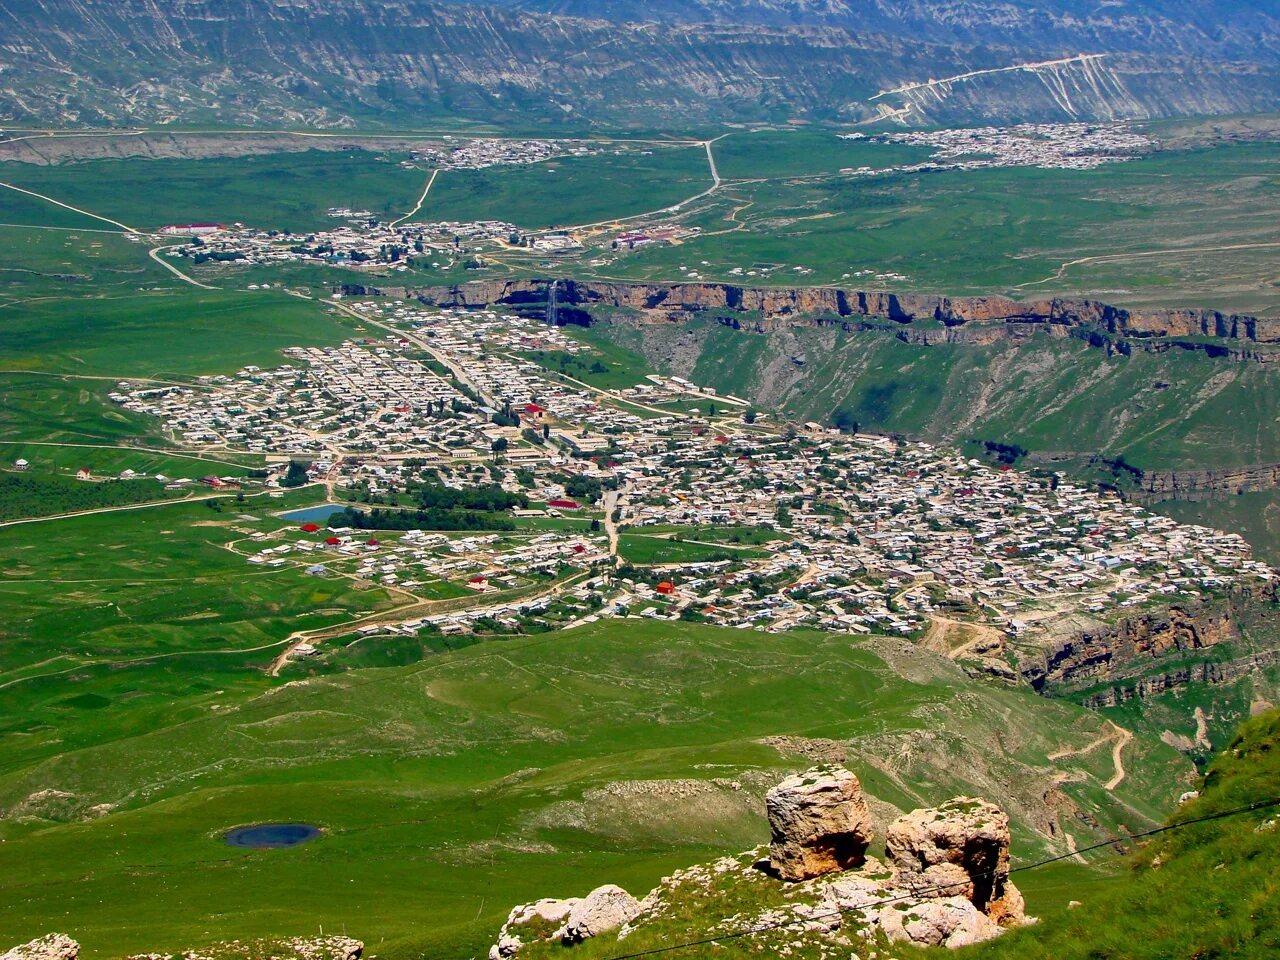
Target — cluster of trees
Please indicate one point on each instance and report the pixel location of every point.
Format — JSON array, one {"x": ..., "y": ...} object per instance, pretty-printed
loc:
[
  {"x": 218, "y": 257},
  {"x": 434, "y": 518},
  {"x": 41, "y": 495},
  {"x": 296, "y": 475},
  {"x": 1005, "y": 452},
  {"x": 489, "y": 497}
]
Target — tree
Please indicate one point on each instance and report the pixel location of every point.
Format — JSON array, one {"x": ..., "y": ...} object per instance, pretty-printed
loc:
[
  {"x": 845, "y": 421},
  {"x": 500, "y": 445},
  {"x": 296, "y": 475},
  {"x": 750, "y": 416}
]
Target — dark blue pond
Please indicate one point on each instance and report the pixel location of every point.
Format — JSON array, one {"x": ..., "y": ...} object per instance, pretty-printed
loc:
[{"x": 272, "y": 836}]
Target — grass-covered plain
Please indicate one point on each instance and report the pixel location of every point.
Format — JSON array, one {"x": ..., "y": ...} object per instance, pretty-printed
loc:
[
  {"x": 453, "y": 788},
  {"x": 290, "y": 191},
  {"x": 1177, "y": 228},
  {"x": 118, "y": 618}
]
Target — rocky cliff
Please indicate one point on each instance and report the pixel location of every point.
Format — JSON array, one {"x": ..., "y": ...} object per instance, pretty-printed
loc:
[
  {"x": 1128, "y": 655},
  {"x": 763, "y": 309}
]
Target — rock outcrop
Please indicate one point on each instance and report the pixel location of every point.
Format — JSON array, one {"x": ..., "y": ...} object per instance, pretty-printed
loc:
[
  {"x": 762, "y": 309},
  {"x": 946, "y": 882},
  {"x": 960, "y": 849},
  {"x": 568, "y": 921},
  {"x": 820, "y": 823},
  {"x": 55, "y": 946},
  {"x": 603, "y": 909},
  {"x": 950, "y": 922}
]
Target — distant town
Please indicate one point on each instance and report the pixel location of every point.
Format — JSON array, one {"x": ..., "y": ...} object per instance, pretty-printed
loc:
[{"x": 661, "y": 500}]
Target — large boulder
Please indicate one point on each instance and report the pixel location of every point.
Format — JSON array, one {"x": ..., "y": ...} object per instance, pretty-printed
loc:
[
  {"x": 55, "y": 946},
  {"x": 820, "y": 823},
  {"x": 531, "y": 921},
  {"x": 948, "y": 922},
  {"x": 603, "y": 909},
  {"x": 960, "y": 849}
]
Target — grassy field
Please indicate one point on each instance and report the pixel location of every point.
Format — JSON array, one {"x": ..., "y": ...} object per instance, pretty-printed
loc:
[
  {"x": 165, "y": 334},
  {"x": 572, "y": 191},
  {"x": 451, "y": 789},
  {"x": 641, "y": 549},
  {"x": 294, "y": 191},
  {"x": 1158, "y": 224},
  {"x": 288, "y": 191},
  {"x": 127, "y": 615}
]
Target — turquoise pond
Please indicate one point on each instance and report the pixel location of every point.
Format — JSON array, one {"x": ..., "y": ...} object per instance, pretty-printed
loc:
[{"x": 319, "y": 514}]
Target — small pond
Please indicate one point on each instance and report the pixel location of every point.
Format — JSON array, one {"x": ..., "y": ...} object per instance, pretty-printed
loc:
[
  {"x": 272, "y": 836},
  {"x": 319, "y": 514}
]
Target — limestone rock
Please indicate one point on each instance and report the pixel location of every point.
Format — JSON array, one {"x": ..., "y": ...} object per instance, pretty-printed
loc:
[
  {"x": 55, "y": 946},
  {"x": 964, "y": 842},
  {"x": 542, "y": 920},
  {"x": 949, "y": 922},
  {"x": 547, "y": 910},
  {"x": 820, "y": 823},
  {"x": 603, "y": 909}
]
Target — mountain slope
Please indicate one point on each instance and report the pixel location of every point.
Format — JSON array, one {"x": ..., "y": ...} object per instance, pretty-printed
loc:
[
  {"x": 303, "y": 62},
  {"x": 1199, "y": 28}
]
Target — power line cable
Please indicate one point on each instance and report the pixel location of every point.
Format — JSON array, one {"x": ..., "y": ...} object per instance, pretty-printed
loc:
[{"x": 923, "y": 893}]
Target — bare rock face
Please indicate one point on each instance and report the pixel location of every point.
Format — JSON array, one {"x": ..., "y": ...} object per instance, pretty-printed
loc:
[
  {"x": 958, "y": 849},
  {"x": 949, "y": 922},
  {"x": 820, "y": 822},
  {"x": 603, "y": 909},
  {"x": 55, "y": 946}
]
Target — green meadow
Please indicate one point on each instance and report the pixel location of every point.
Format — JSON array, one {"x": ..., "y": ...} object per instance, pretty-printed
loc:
[
  {"x": 289, "y": 191},
  {"x": 453, "y": 788}
]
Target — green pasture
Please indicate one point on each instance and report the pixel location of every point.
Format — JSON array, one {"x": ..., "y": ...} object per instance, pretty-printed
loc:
[
  {"x": 289, "y": 191},
  {"x": 620, "y": 182},
  {"x": 453, "y": 788}
]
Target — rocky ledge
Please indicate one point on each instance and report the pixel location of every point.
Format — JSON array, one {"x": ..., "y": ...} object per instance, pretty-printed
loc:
[
  {"x": 767, "y": 308},
  {"x": 944, "y": 881}
]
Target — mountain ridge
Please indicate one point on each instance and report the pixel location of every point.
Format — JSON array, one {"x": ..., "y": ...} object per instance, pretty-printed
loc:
[{"x": 304, "y": 63}]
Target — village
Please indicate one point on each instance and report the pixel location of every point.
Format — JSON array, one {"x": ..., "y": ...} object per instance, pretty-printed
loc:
[
  {"x": 563, "y": 502},
  {"x": 1049, "y": 146}
]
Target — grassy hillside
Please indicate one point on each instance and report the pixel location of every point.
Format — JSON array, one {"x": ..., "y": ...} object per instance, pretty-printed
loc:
[
  {"x": 1207, "y": 890},
  {"x": 1158, "y": 411},
  {"x": 453, "y": 788}
]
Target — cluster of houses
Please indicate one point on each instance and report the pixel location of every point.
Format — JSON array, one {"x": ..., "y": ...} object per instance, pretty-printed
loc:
[
  {"x": 885, "y": 535},
  {"x": 454, "y": 154},
  {"x": 433, "y": 565},
  {"x": 361, "y": 395},
  {"x": 766, "y": 525},
  {"x": 1068, "y": 146}
]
